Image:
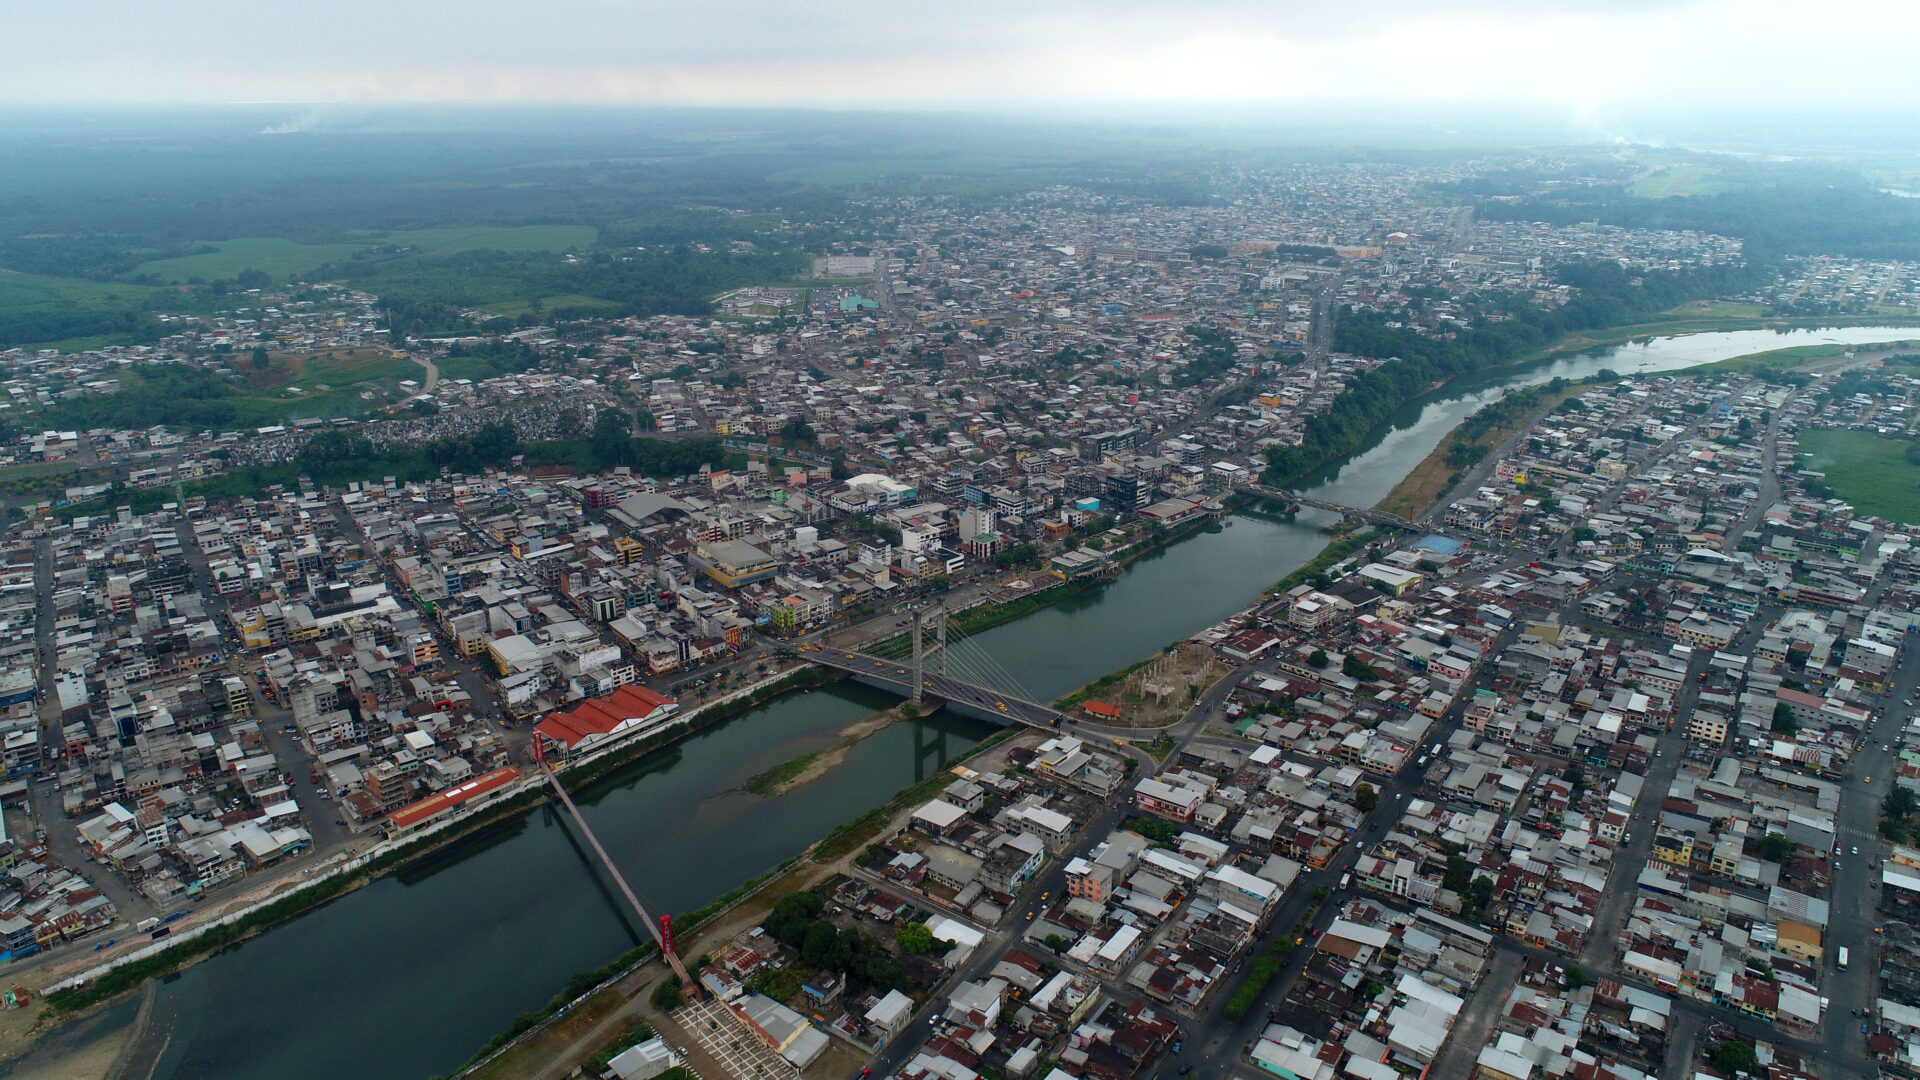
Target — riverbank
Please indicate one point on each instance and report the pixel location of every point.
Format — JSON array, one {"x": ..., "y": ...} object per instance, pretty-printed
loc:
[
  {"x": 664, "y": 814},
  {"x": 1436, "y": 473},
  {"x": 986, "y": 615},
  {"x": 102, "y": 986},
  {"x": 522, "y": 1052},
  {"x": 1711, "y": 318},
  {"x": 1781, "y": 361}
]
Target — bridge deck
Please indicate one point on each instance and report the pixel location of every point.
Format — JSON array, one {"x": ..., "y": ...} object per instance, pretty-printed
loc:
[
  {"x": 1378, "y": 517},
  {"x": 897, "y": 676}
]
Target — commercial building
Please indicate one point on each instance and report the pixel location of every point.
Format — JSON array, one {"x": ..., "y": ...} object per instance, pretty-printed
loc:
[
  {"x": 734, "y": 563},
  {"x": 626, "y": 713}
]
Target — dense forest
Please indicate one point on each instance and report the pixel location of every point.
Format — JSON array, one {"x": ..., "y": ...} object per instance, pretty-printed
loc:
[
  {"x": 177, "y": 395},
  {"x": 677, "y": 280},
  {"x": 338, "y": 456},
  {"x": 1803, "y": 211},
  {"x": 1608, "y": 297}
]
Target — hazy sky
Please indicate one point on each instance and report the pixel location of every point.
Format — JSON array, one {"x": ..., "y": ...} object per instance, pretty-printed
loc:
[{"x": 1573, "y": 54}]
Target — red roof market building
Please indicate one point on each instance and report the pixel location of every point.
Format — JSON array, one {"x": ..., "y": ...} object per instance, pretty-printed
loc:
[
  {"x": 481, "y": 789},
  {"x": 624, "y": 714}
]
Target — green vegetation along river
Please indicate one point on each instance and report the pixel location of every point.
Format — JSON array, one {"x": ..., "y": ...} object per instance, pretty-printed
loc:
[{"x": 408, "y": 976}]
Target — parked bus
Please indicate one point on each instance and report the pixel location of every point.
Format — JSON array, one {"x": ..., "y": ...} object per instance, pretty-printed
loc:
[{"x": 1841, "y": 960}]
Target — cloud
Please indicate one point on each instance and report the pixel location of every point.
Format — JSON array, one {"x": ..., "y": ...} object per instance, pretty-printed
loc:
[{"x": 1575, "y": 54}]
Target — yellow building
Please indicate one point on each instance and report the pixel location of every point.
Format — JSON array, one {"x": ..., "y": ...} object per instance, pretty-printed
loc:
[
  {"x": 1800, "y": 941},
  {"x": 1707, "y": 728},
  {"x": 1674, "y": 849}
]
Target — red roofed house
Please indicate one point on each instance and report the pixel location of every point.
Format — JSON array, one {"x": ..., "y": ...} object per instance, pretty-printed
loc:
[
  {"x": 624, "y": 714},
  {"x": 1102, "y": 710}
]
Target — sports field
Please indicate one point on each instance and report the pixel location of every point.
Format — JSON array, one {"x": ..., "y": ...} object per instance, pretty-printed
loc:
[{"x": 1872, "y": 473}]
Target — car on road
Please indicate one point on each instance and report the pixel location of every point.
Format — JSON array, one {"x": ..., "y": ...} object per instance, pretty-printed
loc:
[{"x": 1856, "y": 850}]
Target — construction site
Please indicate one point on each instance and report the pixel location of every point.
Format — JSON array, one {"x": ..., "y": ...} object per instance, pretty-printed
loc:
[{"x": 1160, "y": 691}]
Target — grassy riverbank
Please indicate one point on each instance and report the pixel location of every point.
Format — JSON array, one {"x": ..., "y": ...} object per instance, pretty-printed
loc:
[
  {"x": 989, "y": 615},
  {"x": 1471, "y": 440},
  {"x": 1780, "y": 361}
]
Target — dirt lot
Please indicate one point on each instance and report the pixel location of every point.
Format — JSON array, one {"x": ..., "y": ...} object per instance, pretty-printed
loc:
[{"x": 1162, "y": 691}]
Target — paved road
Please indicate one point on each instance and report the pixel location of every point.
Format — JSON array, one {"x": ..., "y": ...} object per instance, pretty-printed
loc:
[
  {"x": 1769, "y": 480},
  {"x": 1616, "y": 903},
  {"x": 433, "y": 374},
  {"x": 1475, "y": 1022},
  {"x": 1747, "y": 1027},
  {"x": 1683, "y": 1036},
  {"x": 1856, "y": 890}
]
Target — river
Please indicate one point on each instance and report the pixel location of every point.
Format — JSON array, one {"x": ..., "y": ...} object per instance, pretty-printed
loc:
[{"x": 410, "y": 975}]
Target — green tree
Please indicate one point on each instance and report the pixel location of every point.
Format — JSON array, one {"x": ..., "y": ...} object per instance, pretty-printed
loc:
[
  {"x": 1576, "y": 777},
  {"x": 612, "y": 439},
  {"x": 1577, "y": 977},
  {"x": 791, "y": 916},
  {"x": 1775, "y": 847},
  {"x": 260, "y": 358},
  {"x": 1733, "y": 1056},
  {"x": 914, "y": 939},
  {"x": 1055, "y": 942},
  {"x": 1899, "y": 803},
  {"x": 1365, "y": 797},
  {"x": 1318, "y": 658},
  {"x": 1356, "y": 668},
  {"x": 1783, "y": 721},
  {"x": 666, "y": 996},
  {"x": 1482, "y": 890},
  {"x": 818, "y": 947}
]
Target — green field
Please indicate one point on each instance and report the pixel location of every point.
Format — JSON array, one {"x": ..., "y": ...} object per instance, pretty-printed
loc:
[
  {"x": 516, "y": 308},
  {"x": 1719, "y": 309},
  {"x": 1673, "y": 180},
  {"x": 274, "y": 256},
  {"x": 280, "y": 258},
  {"x": 456, "y": 239},
  {"x": 34, "y": 293},
  {"x": 1872, "y": 473},
  {"x": 344, "y": 377}
]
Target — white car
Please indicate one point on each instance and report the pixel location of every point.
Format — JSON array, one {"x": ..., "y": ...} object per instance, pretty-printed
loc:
[{"x": 1856, "y": 851}]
